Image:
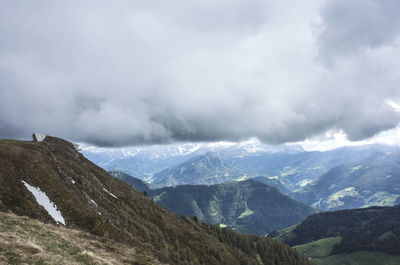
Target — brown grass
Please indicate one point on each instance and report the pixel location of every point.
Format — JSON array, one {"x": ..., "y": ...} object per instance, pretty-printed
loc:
[{"x": 28, "y": 241}]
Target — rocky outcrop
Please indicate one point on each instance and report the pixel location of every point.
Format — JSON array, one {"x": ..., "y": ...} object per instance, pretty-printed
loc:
[{"x": 38, "y": 137}]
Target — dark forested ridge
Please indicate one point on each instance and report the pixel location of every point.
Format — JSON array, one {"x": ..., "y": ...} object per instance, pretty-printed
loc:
[
  {"x": 371, "y": 229},
  {"x": 247, "y": 206},
  {"x": 90, "y": 199}
]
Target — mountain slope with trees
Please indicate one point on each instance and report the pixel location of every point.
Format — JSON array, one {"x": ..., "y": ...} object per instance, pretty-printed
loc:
[
  {"x": 248, "y": 206},
  {"x": 367, "y": 229}
]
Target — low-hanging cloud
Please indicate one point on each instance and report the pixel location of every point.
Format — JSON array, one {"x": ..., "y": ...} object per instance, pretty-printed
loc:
[{"x": 141, "y": 72}]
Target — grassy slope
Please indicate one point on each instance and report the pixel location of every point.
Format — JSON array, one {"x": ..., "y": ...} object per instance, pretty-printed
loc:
[
  {"x": 29, "y": 241},
  {"x": 320, "y": 252},
  {"x": 319, "y": 248},
  {"x": 71, "y": 182}
]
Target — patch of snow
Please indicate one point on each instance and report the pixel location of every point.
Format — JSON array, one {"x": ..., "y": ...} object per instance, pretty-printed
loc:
[
  {"x": 110, "y": 193},
  {"x": 93, "y": 202},
  {"x": 181, "y": 150},
  {"x": 305, "y": 182},
  {"x": 43, "y": 200}
]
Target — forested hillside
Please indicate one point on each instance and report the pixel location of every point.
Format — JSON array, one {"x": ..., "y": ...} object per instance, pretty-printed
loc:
[
  {"x": 247, "y": 206},
  {"x": 370, "y": 229}
]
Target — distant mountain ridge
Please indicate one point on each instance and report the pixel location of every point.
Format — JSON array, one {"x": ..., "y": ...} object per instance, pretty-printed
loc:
[
  {"x": 297, "y": 170},
  {"x": 294, "y": 166},
  {"x": 205, "y": 169},
  {"x": 372, "y": 181},
  {"x": 135, "y": 183},
  {"x": 143, "y": 162}
]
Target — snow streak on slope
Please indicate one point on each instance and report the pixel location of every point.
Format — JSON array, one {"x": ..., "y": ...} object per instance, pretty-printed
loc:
[
  {"x": 110, "y": 193},
  {"x": 44, "y": 201}
]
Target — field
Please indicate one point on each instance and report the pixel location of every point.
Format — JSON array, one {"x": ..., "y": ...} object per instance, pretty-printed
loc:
[{"x": 320, "y": 250}]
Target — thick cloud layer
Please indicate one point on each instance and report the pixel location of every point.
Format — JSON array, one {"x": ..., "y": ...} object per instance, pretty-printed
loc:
[{"x": 134, "y": 72}]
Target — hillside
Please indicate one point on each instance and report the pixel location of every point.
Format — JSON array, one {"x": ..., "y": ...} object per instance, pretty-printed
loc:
[
  {"x": 375, "y": 229},
  {"x": 248, "y": 206},
  {"x": 205, "y": 169},
  {"x": 28, "y": 241},
  {"x": 373, "y": 181},
  {"x": 135, "y": 183},
  {"x": 76, "y": 192}
]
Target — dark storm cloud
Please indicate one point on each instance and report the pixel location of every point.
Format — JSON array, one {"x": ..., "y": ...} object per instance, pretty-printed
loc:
[
  {"x": 351, "y": 25},
  {"x": 134, "y": 72}
]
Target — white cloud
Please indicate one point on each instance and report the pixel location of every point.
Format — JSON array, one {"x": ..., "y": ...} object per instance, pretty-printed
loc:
[{"x": 133, "y": 72}]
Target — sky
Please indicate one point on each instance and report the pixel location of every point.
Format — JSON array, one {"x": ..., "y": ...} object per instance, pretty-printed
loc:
[{"x": 122, "y": 73}]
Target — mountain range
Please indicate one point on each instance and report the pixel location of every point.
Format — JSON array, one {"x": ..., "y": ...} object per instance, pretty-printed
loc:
[
  {"x": 52, "y": 182},
  {"x": 144, "y": 162},
  {"x": 343, "y": 178}
]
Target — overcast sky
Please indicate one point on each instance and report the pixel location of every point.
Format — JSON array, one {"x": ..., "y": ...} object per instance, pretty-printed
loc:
[{"x": 116, "y": 73}]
